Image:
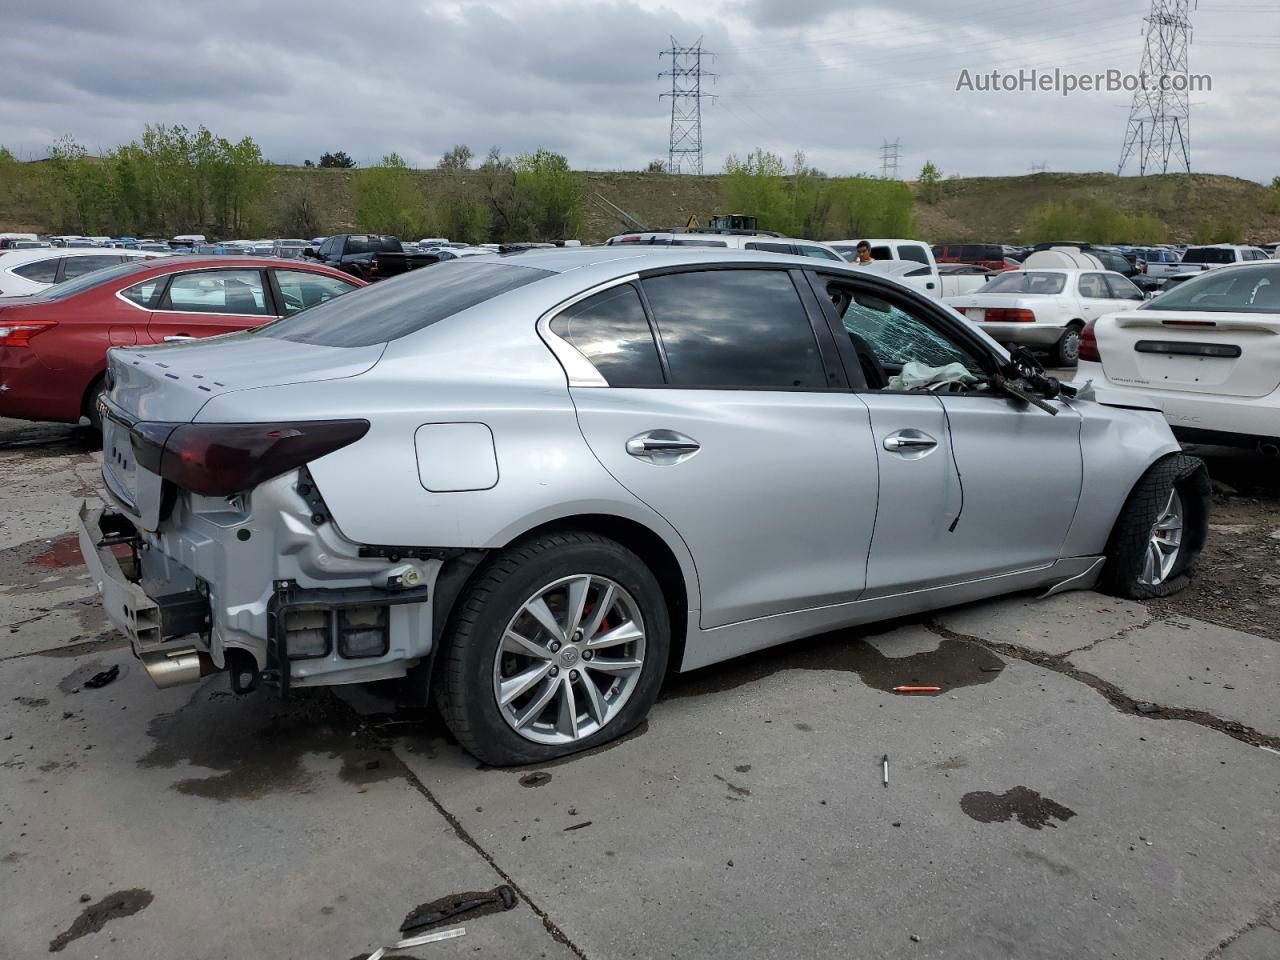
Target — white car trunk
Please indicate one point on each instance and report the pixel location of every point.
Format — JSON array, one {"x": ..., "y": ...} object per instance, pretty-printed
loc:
[{"x": 1236, "y": 355}]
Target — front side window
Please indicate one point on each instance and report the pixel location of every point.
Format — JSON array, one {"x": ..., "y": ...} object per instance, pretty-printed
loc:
[
  {"x": 612, "y": 332},
  {"x": 1122, "y": 288},
  {"x": 400, "y": 306},
  {"x": 1209, "y": 255},
  {"x": 301, "y": 289},
  {"x": 1093, "y": 286},
  {"x": 41, "y": 271},
  {"x": 79, "y": 266},
  {"x": 219, "y": 291},
  {"x": 898, "y": 338},
  {"x": 356, "y": 245},
  {"x": 735, "y": 328}
]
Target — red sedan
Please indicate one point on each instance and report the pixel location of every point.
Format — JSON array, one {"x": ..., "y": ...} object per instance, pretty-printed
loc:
[{"x": 53, "y": 345}]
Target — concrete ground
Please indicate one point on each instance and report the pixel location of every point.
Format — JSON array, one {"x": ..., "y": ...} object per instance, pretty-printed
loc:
[{"x": 1094, "y": 780}]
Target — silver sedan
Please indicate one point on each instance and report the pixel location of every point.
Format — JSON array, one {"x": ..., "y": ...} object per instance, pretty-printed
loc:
[{"x": 534, "y": 483}]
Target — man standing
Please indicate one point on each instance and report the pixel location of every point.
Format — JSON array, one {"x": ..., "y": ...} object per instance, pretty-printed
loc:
[{"x": 864, "y": 253}]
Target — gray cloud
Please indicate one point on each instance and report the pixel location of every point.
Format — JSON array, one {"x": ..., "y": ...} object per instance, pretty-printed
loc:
[{"x": 832, "y": 78}]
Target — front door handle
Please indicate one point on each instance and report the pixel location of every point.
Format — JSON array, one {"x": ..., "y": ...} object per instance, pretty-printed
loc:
[
  {"x": 662, "y": 446},
  {"x": 909, "y": 442},
  {"x": 178, "y": 338}
]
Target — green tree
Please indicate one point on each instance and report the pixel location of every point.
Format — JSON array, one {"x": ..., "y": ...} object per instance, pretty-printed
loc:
[
  {"x": 550, "y": 193},
  {"x": 7, "y": 157},
  {"x": 387, "y": 199},
  {"x": 76, "y": 189},
  {"x": 459, "y": 157},
  {"x": 656, "y": 166},
  {"x": 1275, "y": 181},
  {"x": 337, "y": 159},
  {"x": 930, "y": 183},
  {"x": 754, "y": 186}
]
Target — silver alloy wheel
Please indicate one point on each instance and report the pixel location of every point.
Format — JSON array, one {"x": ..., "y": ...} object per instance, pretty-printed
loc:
[
  {"x": 569, "y": 660},
  {"x": 1164, "y": 544},
  {"x": 1070, "y": 345}
]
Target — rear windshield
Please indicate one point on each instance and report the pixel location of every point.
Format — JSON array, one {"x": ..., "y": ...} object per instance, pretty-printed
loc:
[
  {"x": 1238, "y": 290},
  {"x": 976, "y": 251},
  {"x": 1032, "y": 282},
  {"x": 395, "y": 308},
  {"x": 1209, "y": 255},
  {"x": 97, "y": 278}
]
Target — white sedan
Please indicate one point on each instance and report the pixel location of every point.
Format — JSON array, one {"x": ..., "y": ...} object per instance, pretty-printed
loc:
[
  {"x": 24, "y": 272},
  {"x": 1208, "y": 351},
  {"x": 1046, "y": 308}
]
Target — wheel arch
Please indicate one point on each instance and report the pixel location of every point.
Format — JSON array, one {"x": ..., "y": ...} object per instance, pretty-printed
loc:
[{"x": 670, "y": 564}]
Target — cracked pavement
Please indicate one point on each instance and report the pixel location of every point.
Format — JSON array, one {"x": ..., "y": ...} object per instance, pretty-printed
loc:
[{"x": 1094, "y": 780}]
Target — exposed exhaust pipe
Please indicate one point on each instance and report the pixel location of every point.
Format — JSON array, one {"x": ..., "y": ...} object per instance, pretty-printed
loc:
[
  {"x": 172, "y": 668},
  {"x": 1269, "y": 449}
]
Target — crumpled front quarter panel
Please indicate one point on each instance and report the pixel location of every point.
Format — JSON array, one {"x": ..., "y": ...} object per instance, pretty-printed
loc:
[{"x": 1118, "y": 445}]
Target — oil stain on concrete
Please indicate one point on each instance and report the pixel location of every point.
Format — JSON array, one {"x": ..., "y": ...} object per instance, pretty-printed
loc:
[
  {"x": 257, "y": 743},
  {"x": 1019, "y": 803},
  {"x": 122, "y": 903},
  {"x": 955, "y": 663}
]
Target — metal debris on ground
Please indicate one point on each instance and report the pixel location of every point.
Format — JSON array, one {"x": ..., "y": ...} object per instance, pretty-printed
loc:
[
  {"x": 103, "y": 678},
  {"x": 431, "y": 937},
  {"x": 884, "y": 763}
]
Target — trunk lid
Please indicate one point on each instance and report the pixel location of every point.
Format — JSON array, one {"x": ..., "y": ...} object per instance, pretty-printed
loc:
[
  {"x": 1231, "y": 354},
  {"x": 171, "y": 384}
]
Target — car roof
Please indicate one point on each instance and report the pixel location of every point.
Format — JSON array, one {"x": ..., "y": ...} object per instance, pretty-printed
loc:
[{"x": 12, "y": 257}]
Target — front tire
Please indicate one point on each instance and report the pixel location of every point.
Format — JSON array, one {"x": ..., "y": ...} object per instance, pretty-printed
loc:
[
  {"x": 1160, "y": 531},
  {"x": 560, "y": 644},
  {"x": 1066, "y": 352}
]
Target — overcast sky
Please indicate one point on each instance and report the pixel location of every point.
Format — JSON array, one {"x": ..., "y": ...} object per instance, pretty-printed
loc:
[{"x": 832, "y": 78}]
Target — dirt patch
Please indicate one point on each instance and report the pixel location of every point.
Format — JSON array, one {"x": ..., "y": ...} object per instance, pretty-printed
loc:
[
  {"x": 1237, "y": 583},
  {"x": 1026, "y": 806},
  {"x": 122, "y": 903}
]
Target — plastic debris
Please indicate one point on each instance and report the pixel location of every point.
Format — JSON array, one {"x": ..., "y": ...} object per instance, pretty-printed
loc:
[
  {"x": 431, "y": 938},
  {"x": 103, "y": 678},
  {"x": 914, "y": 689}
]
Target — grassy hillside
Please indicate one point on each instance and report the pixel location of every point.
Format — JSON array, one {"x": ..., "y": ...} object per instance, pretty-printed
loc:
[{"x": 979, "y": 208}]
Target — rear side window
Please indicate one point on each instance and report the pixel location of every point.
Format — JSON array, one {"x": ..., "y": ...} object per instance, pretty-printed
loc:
[
  {"x": 41, "y": 271},
  {"x": 79, "y": 266},
  {"x": 735, "y": 328},
  {"x": 910, "y": 251},
  {"x": 1093, "y": 286},
  {"x": 680, "y": 242},
  {"x": 818, "y": 253},
  {"x": 143, "y": 294},
  {"x": 610, "y": 330},
  {"x": 395, "y": 308},
  {"x": 770, "y": 247}
]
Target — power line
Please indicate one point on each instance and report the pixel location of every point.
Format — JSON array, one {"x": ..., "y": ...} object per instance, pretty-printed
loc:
[
  {"x": 1159, "y": 126},
  {"x": 890, "y": 154},
  {"x": 685, "y": 145}
]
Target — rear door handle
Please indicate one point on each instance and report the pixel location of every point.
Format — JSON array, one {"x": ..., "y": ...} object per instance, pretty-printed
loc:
[
  {"x": 178, "y": 338},
  {"x": 909, "y": 441},
  {"x": 662, "y": 446}
]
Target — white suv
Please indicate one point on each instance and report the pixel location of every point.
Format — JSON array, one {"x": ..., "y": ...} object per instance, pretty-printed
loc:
[
  {"x": 768, "y": 242},
  {"x": 1219, "y": 255},
  {"x": 24, "y": 272}
]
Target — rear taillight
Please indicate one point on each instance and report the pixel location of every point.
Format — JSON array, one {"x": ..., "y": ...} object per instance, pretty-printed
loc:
[
  {"x": 20, "y": 334},
  {"x": 221, "y": 459},
  {"x": 1089, "y": 344},
  {"x": 1008, "y": 315}
]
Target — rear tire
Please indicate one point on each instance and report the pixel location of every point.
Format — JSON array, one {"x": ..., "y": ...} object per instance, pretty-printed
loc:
[
  {"x": 1066, "y": 352},
  {"x": 479, "y": 662},
  {"x": 1160, "y": 531}
]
